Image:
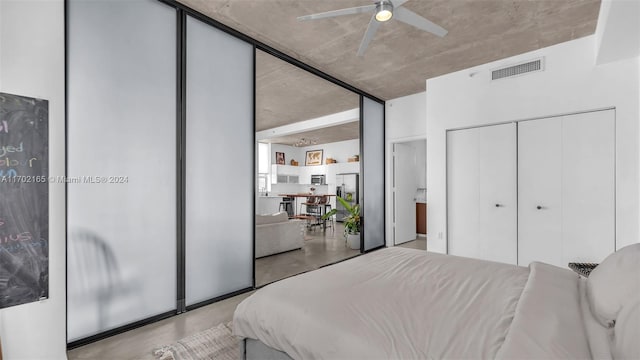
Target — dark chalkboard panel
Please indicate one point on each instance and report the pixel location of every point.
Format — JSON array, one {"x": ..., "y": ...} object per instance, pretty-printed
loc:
[{"x": 24, "y": 200}]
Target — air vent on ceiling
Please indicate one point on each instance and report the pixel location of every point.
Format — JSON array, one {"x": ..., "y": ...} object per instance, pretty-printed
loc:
[{"x": 515, "y": 70}]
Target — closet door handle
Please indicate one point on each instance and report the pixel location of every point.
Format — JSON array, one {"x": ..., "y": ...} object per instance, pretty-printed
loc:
[
  {"x": 539, "y": 207},
  {"x": 498, "y": 205}
]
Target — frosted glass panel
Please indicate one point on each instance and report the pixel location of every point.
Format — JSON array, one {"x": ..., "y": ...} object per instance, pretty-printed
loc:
[
  {"x": 121, "y": 259},
  {"x": 220, "y": 163},
  {"x": 373, "y": 173}
]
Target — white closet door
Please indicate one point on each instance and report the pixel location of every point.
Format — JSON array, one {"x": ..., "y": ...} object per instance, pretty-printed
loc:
[
  {"x": 588, "y": 187},
  {"x": 498, "y": 193},
  {"x": 540, "y": 191},
  {"x": 566, "y": 183},
  {"x": 482, "y": 174},
  {"x": 463, "y": 192}
]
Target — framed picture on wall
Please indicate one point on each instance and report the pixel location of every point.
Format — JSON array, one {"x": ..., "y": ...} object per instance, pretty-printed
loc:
[
  {"x": 314, "y": 157},
  {"x": 280, "y": 158}
]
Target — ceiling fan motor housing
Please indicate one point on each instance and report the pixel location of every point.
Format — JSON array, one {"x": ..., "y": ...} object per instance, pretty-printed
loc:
[{"x": 384, "y": 10}]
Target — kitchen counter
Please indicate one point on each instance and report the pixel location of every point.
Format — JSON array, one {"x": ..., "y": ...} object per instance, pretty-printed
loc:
[{"x": 304, "y": 195}]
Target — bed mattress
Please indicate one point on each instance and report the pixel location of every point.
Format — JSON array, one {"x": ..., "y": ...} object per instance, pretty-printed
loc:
[{"x": 401, "y": 303}]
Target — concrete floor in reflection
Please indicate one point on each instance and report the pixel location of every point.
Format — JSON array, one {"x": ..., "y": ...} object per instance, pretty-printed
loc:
[
  {"x": 321, "y": 247},
  {"x": 419, "y": 243}
]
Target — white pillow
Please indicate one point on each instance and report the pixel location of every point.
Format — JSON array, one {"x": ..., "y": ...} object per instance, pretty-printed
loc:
[
  {"x": 626, "y": 334},
  {"x": 614, "y": 283}
]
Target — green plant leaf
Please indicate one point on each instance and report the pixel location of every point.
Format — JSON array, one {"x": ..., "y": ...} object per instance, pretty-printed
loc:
[
  {"x": 345, "y": 204},
  {"x": 329, "y": 214}
]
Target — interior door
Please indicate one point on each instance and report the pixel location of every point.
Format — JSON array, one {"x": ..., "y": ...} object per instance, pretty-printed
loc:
[
  {"x": 588, "y": 187},
  {"x": 497, "y": 180},
  {"x": 463, "y": 172},
  {"x": 540, "y": 191},
  {"x": 404, "y": 191},
  {"x": 482, "y": 193},
  {"x": 567, "y": 188}
]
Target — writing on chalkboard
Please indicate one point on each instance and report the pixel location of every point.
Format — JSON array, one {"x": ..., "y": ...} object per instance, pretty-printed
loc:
[
  {"x": 8, "y": 173},
  {"x": 24, "y": 206},
  {"x": 13, "y": 162},
  {"x": 11, "y": 149}
]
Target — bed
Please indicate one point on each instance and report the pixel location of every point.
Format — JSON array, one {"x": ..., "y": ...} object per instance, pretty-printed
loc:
[{"x": 401, "y": 303}]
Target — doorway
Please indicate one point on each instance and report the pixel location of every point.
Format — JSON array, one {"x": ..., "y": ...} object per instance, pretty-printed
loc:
[{"x": 409, "y": 193}]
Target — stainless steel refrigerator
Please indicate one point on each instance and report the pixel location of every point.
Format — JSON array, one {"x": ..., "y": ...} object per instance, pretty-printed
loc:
[{"x": 346, "y": 188}]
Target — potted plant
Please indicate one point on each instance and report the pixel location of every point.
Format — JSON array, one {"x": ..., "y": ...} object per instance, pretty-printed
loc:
[{"x": 351, "y": 222}]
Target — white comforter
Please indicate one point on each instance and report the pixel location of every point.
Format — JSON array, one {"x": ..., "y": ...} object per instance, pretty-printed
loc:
[{"x": 401, "y": 303}]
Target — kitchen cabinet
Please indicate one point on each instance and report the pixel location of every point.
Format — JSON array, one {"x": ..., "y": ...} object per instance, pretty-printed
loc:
[
  {"x": 307, "y": 171},
  {"x": 285, "y": 174},
  {"x": 421, "y": 218}
]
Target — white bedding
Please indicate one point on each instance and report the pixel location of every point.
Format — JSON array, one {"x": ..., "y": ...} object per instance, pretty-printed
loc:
[{"x": 403, "y": 303}]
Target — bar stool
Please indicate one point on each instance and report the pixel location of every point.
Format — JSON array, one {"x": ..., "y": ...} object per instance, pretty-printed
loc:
[
  {"x": 312, "y": 210},
  {"x": 323, "y": 201},
  {"x": 287, "y": 205}
]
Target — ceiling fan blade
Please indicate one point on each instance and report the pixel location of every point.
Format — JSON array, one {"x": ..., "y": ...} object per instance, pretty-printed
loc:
[
  {"x": 398, "y": 3},
  {"x": 368, "y": 36},
  {"x": 341, "y": 12},
  {"x": 411, "y": 18}
]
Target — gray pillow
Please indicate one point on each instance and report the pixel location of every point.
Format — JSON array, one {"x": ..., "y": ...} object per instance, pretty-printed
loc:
[
  {"x": 626, "y": 334},
  {"x": 614, "y": 284}
]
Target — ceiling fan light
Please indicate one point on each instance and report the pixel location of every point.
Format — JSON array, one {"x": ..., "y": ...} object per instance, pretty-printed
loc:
[{"x": 384, "y": 11}]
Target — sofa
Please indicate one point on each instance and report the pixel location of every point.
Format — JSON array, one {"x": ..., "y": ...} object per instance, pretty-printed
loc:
[{"x": 275, "y": 234}]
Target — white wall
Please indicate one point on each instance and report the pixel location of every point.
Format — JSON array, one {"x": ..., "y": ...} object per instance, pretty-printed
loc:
[
  {"x": 618, "y": 30},
  {"x": 406, "y": 117},
  {"x": 570, "y": 83},
  {"x": 340, "y": 151},
  {"x": 290, "y": 153},
  {"x": 32, "y": 64},
  {"x": 405, "y": 120}
]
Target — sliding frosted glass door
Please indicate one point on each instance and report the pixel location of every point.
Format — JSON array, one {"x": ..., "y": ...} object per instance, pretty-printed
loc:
[
  {"x": 121, "y": 245},
  {"x": 219, "y": 163},
  {"x": 373, "y": 173}
]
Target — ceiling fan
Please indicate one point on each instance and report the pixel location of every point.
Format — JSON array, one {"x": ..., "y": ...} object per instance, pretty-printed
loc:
[{"x": 383, "y": 10}]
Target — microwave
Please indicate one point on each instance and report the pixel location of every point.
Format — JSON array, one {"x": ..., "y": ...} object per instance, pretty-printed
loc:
[{"x": 317, "y": 180}]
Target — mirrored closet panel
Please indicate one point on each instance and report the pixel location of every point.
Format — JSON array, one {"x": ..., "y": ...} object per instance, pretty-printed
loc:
[
  {"x": 121, "y": 141},
  {"x": 308, "y": 134},
  {"x": 219, "y": 163},
  {"x": 373, "y": 174}
]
